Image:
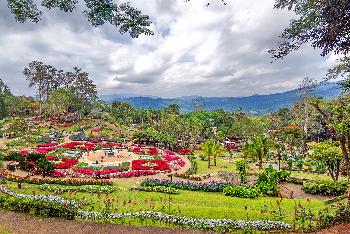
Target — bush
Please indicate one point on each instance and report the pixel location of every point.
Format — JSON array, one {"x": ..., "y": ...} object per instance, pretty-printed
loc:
[
  {"x": 242, "y": 168},
  {"x": 327, "y": 188},
  {"x": 194, "y": 166},
  {"x": 159, "y": 189},
  {"x": 268, "y": 180},
  {"x": 83, "y": 188},
  {"x": 1, "y": 164},
  {"x": 38, "y": 208},
  {"x": 13, "y": 156},
  {"x": 240, "y": 191}
]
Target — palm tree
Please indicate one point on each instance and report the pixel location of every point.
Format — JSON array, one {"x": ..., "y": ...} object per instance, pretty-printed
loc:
[
  {"x": 258, "y": 148},
  {"x": 211, "y": 149}
]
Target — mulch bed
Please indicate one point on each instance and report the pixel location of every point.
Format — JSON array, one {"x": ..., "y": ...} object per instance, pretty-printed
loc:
[{"x": 19, "y": 223}]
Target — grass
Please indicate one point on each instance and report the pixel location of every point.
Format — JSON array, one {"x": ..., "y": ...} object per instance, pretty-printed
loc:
[
  {"x": 313, "y": 176},
  {"x": 221, "y": 165},
  {"x": 187, "y": 203}
]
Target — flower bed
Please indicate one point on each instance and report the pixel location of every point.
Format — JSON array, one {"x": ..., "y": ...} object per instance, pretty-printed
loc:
[
  {"x": 153, "y": 151},
  {"x": 43, "y": 198},
  {"x": 160, "y": 165},
  {"x": 159, "y": 189},
  {"x": 184, "y": 151},
  {"x": 70, "y": 181},
  {"x": 83, "y": 188},
  {"x": 138, "y": 150},
  {"x": 66, "y": 163},
  {"x": 51, "y": 158},
  {"x": 187, "y": 185},
  {"x": 189, "y": 177},
  {"x": 222, "y": 225}
]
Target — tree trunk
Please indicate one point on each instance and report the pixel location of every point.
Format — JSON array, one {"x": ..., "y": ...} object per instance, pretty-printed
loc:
[
  {"x": 342, "y": 141},
  {"x": 214, "y": 160},
  {"x": 260, "y": 162},
  {"x": 208, "y": 161}
]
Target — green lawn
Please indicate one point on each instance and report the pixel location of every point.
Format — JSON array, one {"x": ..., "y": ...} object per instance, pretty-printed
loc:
[{"x": 187, "y": 203}]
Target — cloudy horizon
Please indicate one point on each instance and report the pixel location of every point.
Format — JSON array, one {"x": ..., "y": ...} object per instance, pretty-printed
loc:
[{"x": 196, "y": 50}]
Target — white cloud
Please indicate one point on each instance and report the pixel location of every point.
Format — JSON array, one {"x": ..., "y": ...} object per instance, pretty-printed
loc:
[{"x": 196, "y": 50}]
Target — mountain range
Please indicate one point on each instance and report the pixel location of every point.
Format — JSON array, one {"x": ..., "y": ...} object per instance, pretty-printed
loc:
[{"x": 255, "y": 105}]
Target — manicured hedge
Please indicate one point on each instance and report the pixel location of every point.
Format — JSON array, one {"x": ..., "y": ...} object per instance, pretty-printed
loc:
[
  {"x": 159, "y": 189},
  {"x": 327, "y": 188},
  {"x": 240, "y": 191},
  {"x": 186, "y": 185},
  {"x": 82, "y": 188},
  {"x": 38, "y": 208}
]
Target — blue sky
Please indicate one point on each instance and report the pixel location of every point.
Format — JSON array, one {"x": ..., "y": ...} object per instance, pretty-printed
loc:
[{"x": 196, "y": 50}]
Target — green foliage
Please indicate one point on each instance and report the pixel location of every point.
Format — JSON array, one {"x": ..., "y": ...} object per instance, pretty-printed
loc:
[
  {"x": 38, "y": 208},
  {"x": 258, "y": 148},
  {"x": 124, "y": 16},
  {"x": 329, "y": 154},
  {"x": 194, "y": 166},
  {"x": 240, "y": 191},
  {"x": 267, "y": 182},
  {"x": 83, "y": 188},
  {"x": 326, "y": 188},
  {"x": 13, "y": 156},
  {"x": 159, "y": 189},
  {"x": 211, "y": 149},
  {"x": 242, "y": 168}
]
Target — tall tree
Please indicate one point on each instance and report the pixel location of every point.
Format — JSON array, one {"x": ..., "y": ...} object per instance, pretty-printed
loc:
[
  {"x": 98, "y": 12},
  {"x": 323, "y": 23},
  {"x": 211, "y": 149}
]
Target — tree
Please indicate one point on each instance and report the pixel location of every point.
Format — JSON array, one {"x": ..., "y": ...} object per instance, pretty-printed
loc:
[
  {"x": 336, "y": 114},
  {"x": 258, "y": 148},
  {"x": 44, "y": 166},
  {"x": 324, "y": 23},
  {"x": 211, "y": 149},
  {"x": 328, "y": 153},
  {"x": 61, "y": 100},
  {"x": 98, "y": 12}
]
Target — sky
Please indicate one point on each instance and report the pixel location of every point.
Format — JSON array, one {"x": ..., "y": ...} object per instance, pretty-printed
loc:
[{"x": 215, "y": 50}]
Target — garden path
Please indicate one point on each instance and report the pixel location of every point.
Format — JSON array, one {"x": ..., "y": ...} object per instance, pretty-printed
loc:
[{"x": 299, "y": 193}]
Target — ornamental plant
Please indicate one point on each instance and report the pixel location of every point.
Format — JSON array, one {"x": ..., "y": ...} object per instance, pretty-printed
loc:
[
  {"x": 241, "y": 191},
  {"x": 327, "y": 188},
  {"x": 159, "y": 189},
  {"x": 242, "y": 168}
]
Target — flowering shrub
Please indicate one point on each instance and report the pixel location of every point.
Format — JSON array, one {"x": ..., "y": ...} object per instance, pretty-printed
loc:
[
  {"x": 120, "y": 174},
  {"x": 169, "y": 158},
  {"x": 184, "y": 151},
  {"x": 153, "y": 151},
  {"x": 240, "y": 191},
  {"x": 51, "y": 158},
  {"x": 159, "y": 189},
  {"x": 138, "y": 150},
  {"x": 43, "y": 198},
  {"x": 189, "y": 177},
  {"x": 187, "y": 185},
  {"x": 58, "y": 173},
  {"x": 224, "y": 225},
  {"x": 150, "y": 165},
  {"x": 70, "y": 181},
  {"x": 83, "y": 188},
  {"x": 328, "y": 188}
]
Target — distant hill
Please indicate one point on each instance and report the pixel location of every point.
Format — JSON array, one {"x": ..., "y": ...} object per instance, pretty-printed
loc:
[{"x": 256, "y": 104}]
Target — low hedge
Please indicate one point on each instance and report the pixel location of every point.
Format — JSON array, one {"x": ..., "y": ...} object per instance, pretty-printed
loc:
[
  {"x": 38, "y": 208},
  {"x": 327, "y": 188},
  {"x": 159, "y": 189},
  {"x": 82, "y": 188},
  {"x": 240, "y": 191},
  {"x": 187, "y": 185},
  {"x": 72, "y": 181}
]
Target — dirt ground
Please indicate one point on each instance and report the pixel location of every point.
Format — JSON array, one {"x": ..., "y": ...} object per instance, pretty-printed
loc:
[{"x": 17, "y": 223}]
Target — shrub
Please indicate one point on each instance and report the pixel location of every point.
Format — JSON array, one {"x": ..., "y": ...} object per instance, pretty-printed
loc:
[
  {"x": 159, "y": 189},
  {"x": 194, "y": 166},
  {"x": 83, "y": 188},
  {"x": 242, "y": 168},
  {"x": 186, "y": 185},
  {"x": 38, "y": 208},
  {"x": 267, "y": 182},
  {"x": 327, "y": 188},
  {"x": 240, "y": 191}
]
